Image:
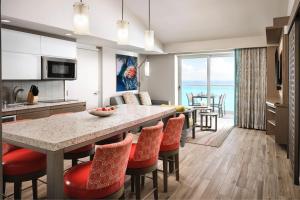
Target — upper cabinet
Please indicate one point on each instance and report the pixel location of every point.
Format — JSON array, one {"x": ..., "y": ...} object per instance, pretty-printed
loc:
[
  {"x": 53, "y": 47},
  {"x": 20, "y": 42},
  {"x": 22, "y": 52}
]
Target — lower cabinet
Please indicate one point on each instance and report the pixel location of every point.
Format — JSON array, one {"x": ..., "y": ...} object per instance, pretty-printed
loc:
[{"x": 48, "y": 111}]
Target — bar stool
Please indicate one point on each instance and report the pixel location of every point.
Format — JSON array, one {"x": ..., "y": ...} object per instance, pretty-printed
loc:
[
  {"x": 143, "y": 158},
  {"x": 169, "y": 148},
  {"x": 21, "y": 165},
  {"x": 103, "y": 177}
]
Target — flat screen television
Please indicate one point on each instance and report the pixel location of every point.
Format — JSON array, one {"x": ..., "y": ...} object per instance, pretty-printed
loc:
[{"x": 278, "y": 69}]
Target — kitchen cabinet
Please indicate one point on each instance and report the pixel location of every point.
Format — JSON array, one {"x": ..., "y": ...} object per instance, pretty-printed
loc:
[
  {"x": 20, "y": 66},
  {"x": 53, "y": 47},
  {"x": 20, "y": 42}
]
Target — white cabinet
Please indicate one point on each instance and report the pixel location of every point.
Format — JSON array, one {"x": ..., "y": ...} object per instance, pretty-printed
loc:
[
  {"x": 53, "y": 47},
  {"x": 20, "y": 66},
  {"x": 15, "y": 41},
  {"x": 86, "y": 87}
]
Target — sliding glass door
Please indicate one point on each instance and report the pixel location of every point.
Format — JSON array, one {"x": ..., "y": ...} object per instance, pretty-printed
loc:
[{"x": 210, "y": 76}]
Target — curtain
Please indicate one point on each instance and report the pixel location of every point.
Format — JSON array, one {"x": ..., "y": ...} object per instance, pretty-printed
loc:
[{"x": 250, "y": 91}]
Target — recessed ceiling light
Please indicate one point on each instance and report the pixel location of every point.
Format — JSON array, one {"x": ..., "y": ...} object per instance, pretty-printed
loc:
[
  {"x": 5, "y": 21},
  {"x": 68, "y": 34}
]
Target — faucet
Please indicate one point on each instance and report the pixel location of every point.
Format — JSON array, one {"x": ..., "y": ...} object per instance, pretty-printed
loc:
[{"x": 16, "y": 91}]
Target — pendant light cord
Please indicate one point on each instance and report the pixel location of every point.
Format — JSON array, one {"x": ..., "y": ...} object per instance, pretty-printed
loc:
[
  {"x": 149, "y": 16},
  {"x": 122, "y": 9}
]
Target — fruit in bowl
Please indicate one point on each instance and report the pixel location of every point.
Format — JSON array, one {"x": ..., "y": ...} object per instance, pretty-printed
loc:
[{"x": 103, "y": 112}]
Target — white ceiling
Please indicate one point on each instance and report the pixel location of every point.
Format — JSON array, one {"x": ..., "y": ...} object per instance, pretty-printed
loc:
[{"x": 198, "y": 20}]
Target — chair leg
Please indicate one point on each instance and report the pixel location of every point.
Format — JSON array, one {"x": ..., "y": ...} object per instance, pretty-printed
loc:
[
  {"x": 155, "y": 184},
  {"x": 142, "y": 181},
  {"x": 17, "y": 189},
  {"x": 165, "y": 172},
  {"x": 177, "y": 166},
  {"x": 4, "y": 187},
  {"x": 74, "y": 162},
  {"x": 34, "y": 189},
  {"x": 132, "y": 183},
  {"x": 171, "y": 164},
  {"x": 137, "y": 187}
]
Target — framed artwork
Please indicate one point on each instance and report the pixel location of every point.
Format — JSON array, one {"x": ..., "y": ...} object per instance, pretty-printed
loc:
[{"x": 126, "y": 73}]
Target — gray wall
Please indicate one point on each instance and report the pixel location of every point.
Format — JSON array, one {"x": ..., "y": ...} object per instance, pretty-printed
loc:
[
  {"x": 49, "y": 90},
  {"x": 163, "y": 81}
]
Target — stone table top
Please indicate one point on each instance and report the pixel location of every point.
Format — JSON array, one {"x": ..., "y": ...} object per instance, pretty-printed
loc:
[{"x": 65, "y": 130}]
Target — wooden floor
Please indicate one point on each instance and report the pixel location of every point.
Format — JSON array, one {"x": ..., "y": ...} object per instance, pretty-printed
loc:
[{"x": 249, "y": 165}]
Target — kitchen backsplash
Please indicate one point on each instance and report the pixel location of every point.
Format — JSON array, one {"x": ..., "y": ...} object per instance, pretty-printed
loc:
[{"x": 48, "y": 90}]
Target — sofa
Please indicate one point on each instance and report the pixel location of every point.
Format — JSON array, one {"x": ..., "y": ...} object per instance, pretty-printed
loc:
[{"x": 118, "y": 100}]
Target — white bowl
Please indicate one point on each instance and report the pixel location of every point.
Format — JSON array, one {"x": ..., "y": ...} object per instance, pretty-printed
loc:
[{"x": 101, "y": 113}]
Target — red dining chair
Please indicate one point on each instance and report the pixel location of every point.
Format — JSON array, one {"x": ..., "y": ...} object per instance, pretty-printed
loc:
[
  {"x": 169, "y": 148},
  {"x": 103, "y": 177},
  {"x": 143, "y": 158},
  {"x": 85, "y": 151},
  {"x": 20, "y": 165}
]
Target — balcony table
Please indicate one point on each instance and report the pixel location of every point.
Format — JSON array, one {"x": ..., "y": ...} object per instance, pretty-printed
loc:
[
  {"x": 202, "y": 96},
  {"x": 58, "y": 134}
]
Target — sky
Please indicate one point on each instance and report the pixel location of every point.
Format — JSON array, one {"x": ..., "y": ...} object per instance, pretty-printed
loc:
[{"x": 222, "y": 69}]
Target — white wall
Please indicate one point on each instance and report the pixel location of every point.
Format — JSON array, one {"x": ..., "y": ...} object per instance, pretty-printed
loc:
[
  {"x": 162, "y": 84},
  {"x": 214, "y": 45},
  {"x": 290, "y": 6},
  {"x": 109, "y": 72}
]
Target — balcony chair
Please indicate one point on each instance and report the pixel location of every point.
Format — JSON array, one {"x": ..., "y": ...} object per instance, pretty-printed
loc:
[
  {"x": 103, "y": 177},
  {"x": 143, "y": 158}
]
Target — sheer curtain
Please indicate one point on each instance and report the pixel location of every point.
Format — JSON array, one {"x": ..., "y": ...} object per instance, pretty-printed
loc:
[{"x": 251, "y": 88}]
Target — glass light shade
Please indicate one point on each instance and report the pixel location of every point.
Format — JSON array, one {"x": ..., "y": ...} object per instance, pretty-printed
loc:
[
  {"x": 122, "y": 27},
  {"x": 81, "y": 19},
  {"x": 149, "y": 40},
  {"x": 147, "y": 68}
]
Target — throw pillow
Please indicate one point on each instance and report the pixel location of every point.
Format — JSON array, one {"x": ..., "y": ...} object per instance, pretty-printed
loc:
[
  {"x": 145, "y": 98},
  {"x": 130, "y": 98}
]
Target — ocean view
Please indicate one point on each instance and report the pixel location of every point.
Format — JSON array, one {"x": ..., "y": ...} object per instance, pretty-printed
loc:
[{"x": 217, "y": 88}]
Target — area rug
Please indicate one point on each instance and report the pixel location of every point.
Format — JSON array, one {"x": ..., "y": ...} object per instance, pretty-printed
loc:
[{"x": 211, "y": 138}]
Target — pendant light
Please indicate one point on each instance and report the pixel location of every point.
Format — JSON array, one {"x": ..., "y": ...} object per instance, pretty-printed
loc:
[
  {"x": 122, "y": 27},
  {"x": 149, "y": 35},
  {"x": 81, "y": 18}
]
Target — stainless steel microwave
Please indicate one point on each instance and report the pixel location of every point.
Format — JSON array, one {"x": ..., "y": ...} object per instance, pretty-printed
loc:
[{"x": 58, "y": 69}]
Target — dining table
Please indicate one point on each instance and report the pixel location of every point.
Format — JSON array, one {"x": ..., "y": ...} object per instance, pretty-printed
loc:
[
  {"x": 58, "y": 134},
  {"x": 203, "y": 96}
]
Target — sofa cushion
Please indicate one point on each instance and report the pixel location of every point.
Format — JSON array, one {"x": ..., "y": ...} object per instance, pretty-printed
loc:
[
  {"x": 131, "y": 98},
  {"x": 145, "y": 98}
]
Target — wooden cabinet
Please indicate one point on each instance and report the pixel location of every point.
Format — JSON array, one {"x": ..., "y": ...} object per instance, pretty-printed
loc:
[
  {"x": 53, "y": 47},
  {"x": 46, "y": 111},
  {"x": 20, "y": 66},
  {"x": 15, "y": 41}
]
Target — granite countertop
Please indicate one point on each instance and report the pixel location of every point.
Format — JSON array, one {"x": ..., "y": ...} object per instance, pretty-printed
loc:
[
  {"x": 38, "y": 105},
  {"x": 61, "y": 131}
]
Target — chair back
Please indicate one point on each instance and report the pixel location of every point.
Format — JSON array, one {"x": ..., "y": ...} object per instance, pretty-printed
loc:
[
  {"x": 220, "y": 99},
  {"x": 190, "y": 98},
  {"x": 109, "y": 164},
  {"x": 148, "y": 143},
  {"x": 172, "y": 132}
]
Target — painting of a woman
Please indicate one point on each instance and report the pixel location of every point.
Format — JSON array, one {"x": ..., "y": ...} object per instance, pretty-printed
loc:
[{"x": 126, "y": 73}]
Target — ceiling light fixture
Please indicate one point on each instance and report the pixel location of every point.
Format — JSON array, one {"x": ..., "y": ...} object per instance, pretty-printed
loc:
[
  {"x": 122, "y": 27},
  {"x": 5, "y": 21},
  {"x": 68, "y": 34},
  {"x": 81, "y": 18},
  {"x": 149, "y": 34}
]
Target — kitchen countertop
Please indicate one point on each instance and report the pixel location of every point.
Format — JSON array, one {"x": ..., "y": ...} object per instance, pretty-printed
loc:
[
  {"x": 62, "y": 131},
  {"x": 38, "y": 105}
]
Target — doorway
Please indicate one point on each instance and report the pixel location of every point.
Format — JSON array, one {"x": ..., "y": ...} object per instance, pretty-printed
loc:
[{"x": 209, "y": 75}]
